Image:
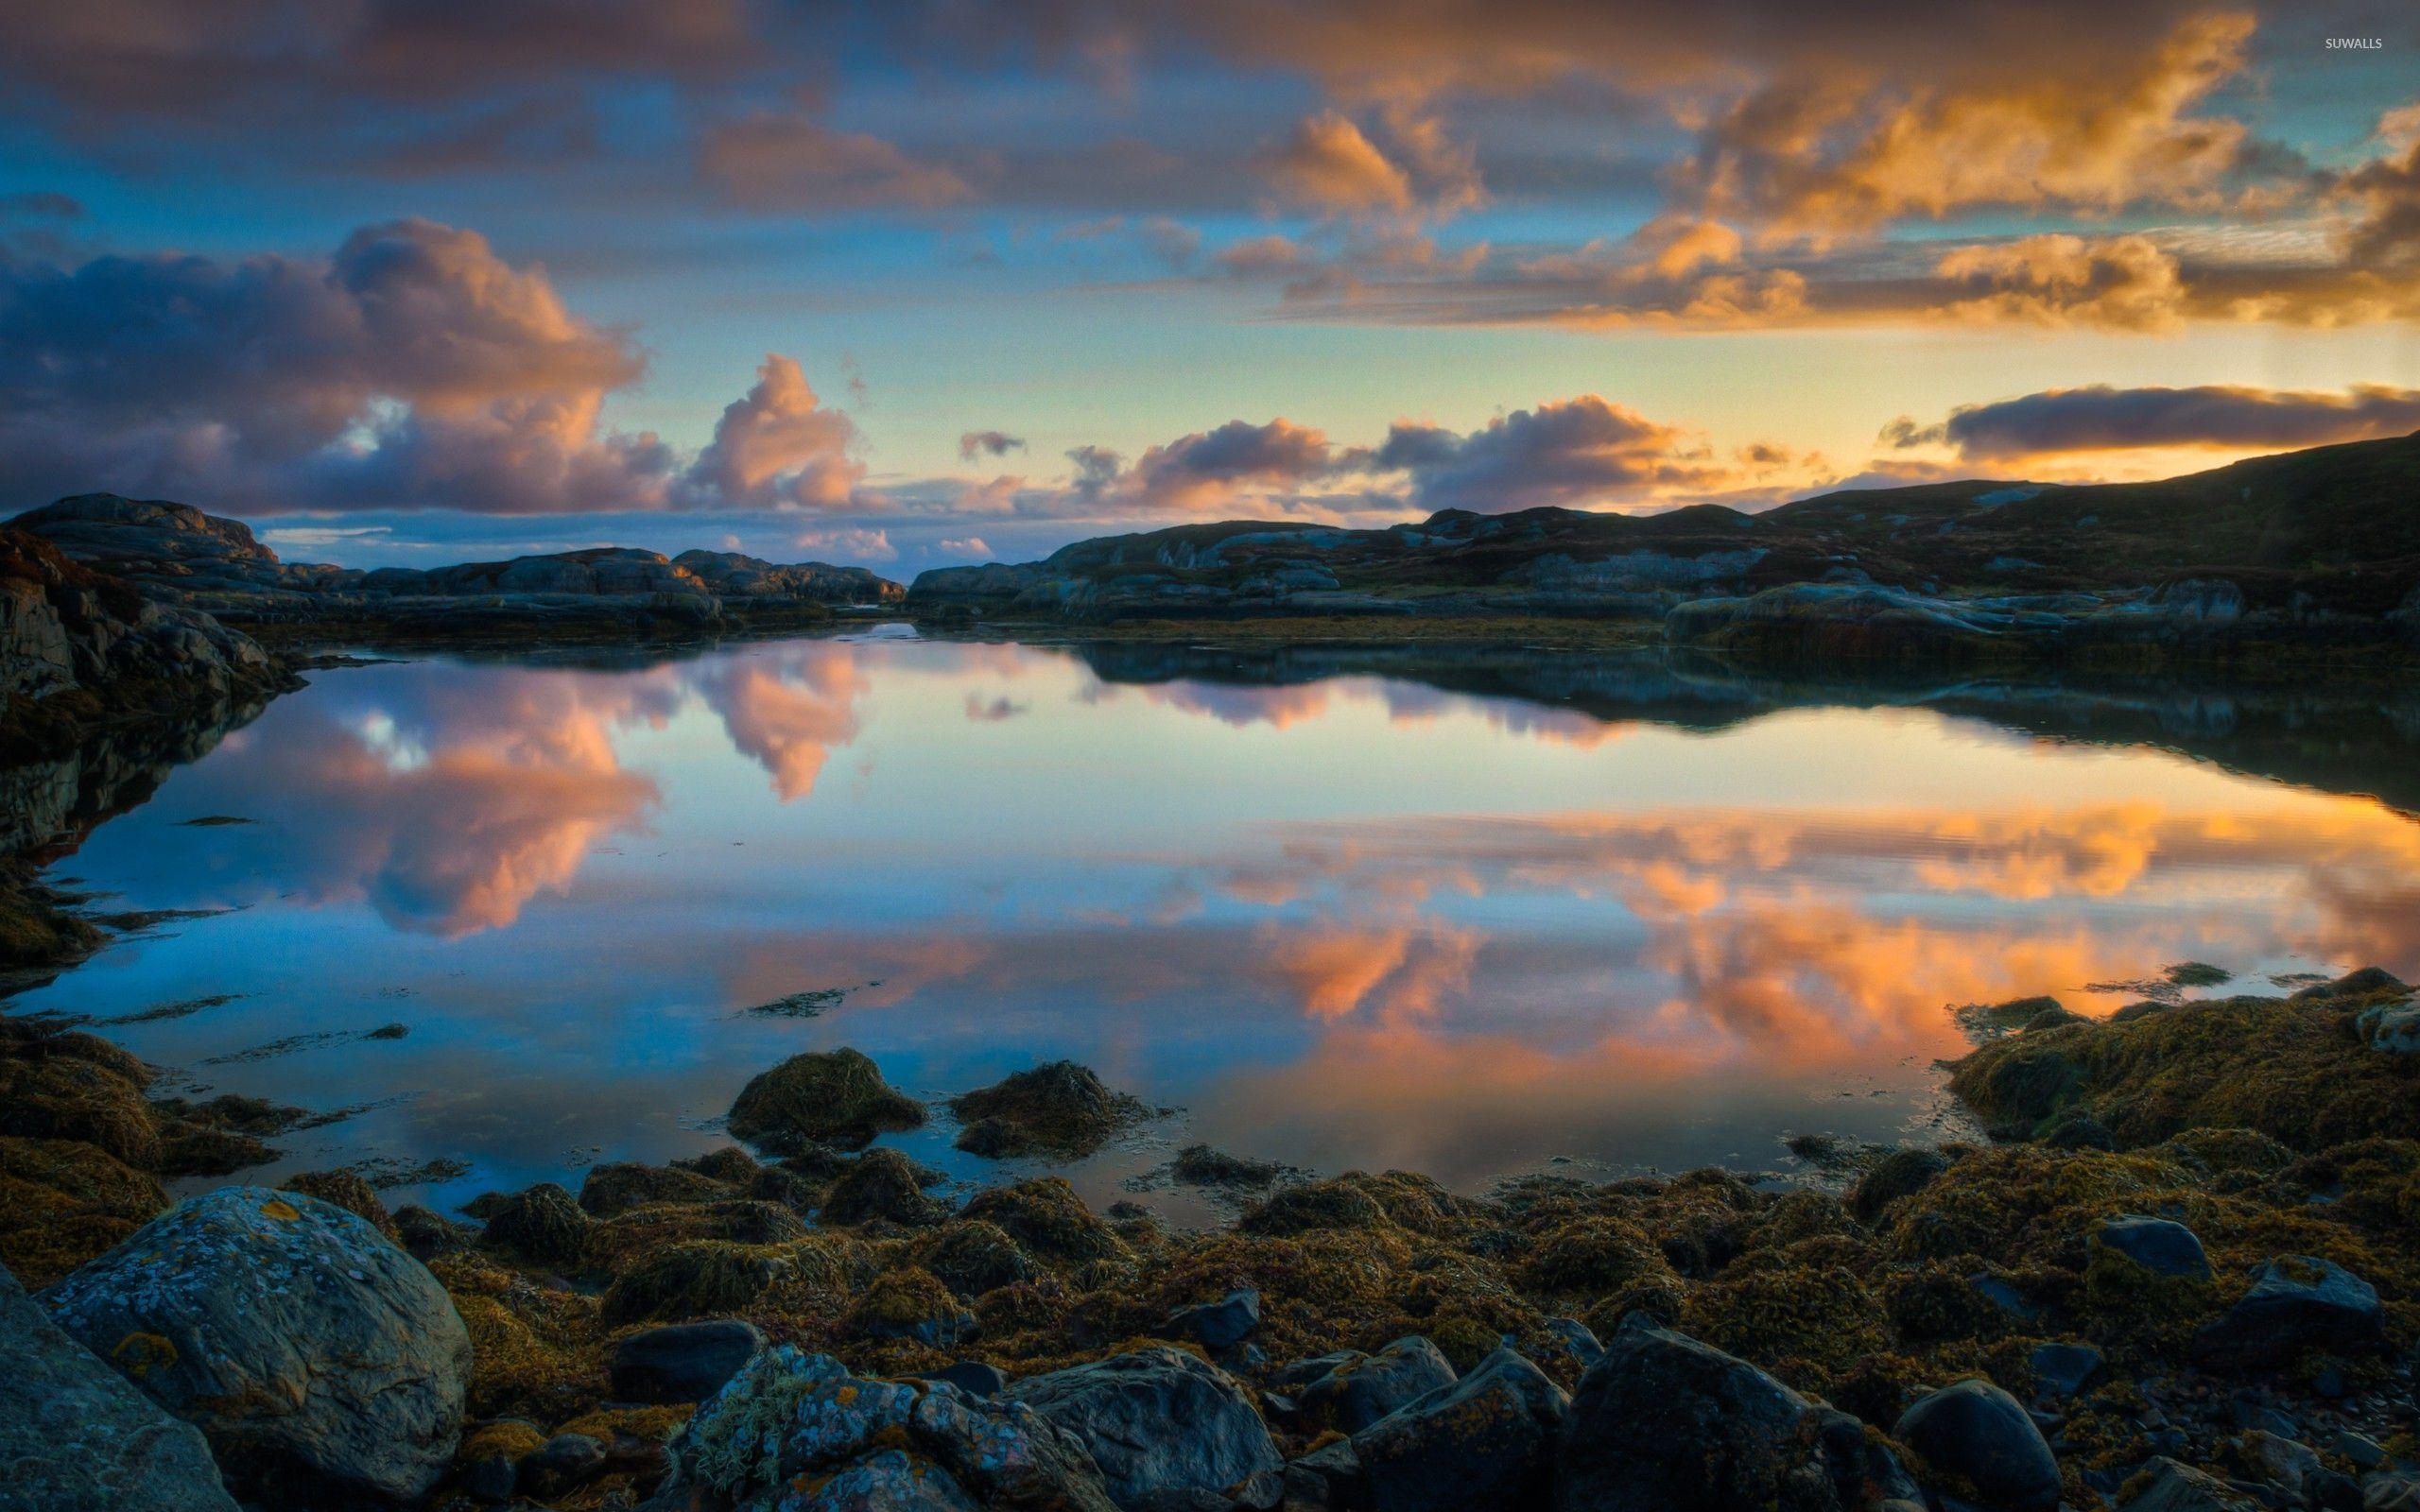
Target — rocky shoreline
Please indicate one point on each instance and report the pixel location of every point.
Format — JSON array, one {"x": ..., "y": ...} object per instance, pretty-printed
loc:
[{"x": 2182, "y": 1277}]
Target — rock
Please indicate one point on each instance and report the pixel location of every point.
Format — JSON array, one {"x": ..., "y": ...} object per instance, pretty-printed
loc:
[
  {"x": 1155, "y": 1419},
  {"x": 1486, "y": 1440},
  {"x": 2370, "y": 981},
  {"x": 346, "y": 1190},
  {"x": 2390, "y": 1493},
  {"x": 910, "y": 1304},
  {"x": 1665, "y": 1423},
  {"x": 1221, "y": 1325},
  {"x": 2393, "y": 1028},
  {"x": 1045, "y": 1218},
  {"x": 2005, "y": 1295},
  {"x": 1981, "y": 1435},
  {"x": 2163, "y": 1248},
  {"x": 883, "y": 1184},
  {"x": 1060, "y": 1109},
  {"x": 561, "y": 1463},
  {"x": 2298, "y": 1469},
  {"x": 2061, "y": 1370},
  {"x": 830, "y": 1097},
  {"x": 542, "y": 1223},
  {"x": 975, "y": 1257},
  {"x": 1329, "y": 1479},
  {"x": 2362, "y": 1451},
  {"x": 682, "y": 1362},
  {"x": 617, "y": 1186},
  {"x": 890, "y": 1481},
  {"x": 1574, "y": 1338},
  {"x": 1899, "y": 1174},
  {"x": 2296, "y": 1303},
  {"x": 789, "y": 1416},
  {"x": 973, "y": 1377},
  {"x": 2175, "y": 1488},
  {"x": 76, "y": 1438},
  {"x": 1351, "y": 1390},
  {"x": 318, "y": 1359}
]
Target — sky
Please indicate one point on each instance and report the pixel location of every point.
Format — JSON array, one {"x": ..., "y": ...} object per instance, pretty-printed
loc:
[{"x": 933, "y": 281}]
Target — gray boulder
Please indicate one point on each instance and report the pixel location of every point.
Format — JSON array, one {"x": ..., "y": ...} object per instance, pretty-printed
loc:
[
  {"x": 1219, "y": 1325},
  {"x": 2296, "y": 1303},
  {"x": 2393, "y": 1028},
  {"x": 1980, "y": 1434},
  {"x": 1351, "y": 1390},
  {"x": 2159, "y": 1246},
  {"x": 2175, "y": 1488},
  {"x": 1155, "y": 1420},
  {"x": 76, "y": 1438},
  {"x": 319, "y": 1359},
  {"x": 1486, "y": 1440},
  {"x": 684, "y": 1362},
  {"x": 789, "y": 1415},
  {"x": 2062, "y": 1369},
  {"x": 1664, "y": 1423}
]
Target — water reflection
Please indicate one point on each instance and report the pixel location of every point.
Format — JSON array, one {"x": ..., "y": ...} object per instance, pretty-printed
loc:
[{"x": 1454, "y": 910}]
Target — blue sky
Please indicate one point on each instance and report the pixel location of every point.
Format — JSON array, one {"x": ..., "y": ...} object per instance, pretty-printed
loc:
[{"x": 405, "y": 281}]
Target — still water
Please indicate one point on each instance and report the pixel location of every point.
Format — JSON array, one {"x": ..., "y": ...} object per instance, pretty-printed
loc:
[{"x": 1473, "y": 915}]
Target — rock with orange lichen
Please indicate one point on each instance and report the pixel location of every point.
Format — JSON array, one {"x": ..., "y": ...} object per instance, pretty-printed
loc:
[{"x": 320, "y": 1361}]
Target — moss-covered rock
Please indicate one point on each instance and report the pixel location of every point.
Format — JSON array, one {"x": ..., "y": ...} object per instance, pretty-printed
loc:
[
  {"x": 617, "y": 1186},
  {"x": 65, "y": 1201},
  {"x": 1059, "y": 1108},
  {"x": 974, "y": 1257},
  {"x": 346, "y": 1190},
  {"x": 542, "y": 1225},
  {"x": 1047, "y": 1220},
  {"x": 835, "y": 1097},
  {"x": 885, "y": 1185}
]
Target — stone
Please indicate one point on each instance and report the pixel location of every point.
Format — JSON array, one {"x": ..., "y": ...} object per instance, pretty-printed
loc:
[
  {"x": 2063, "y": 1369},
  {"x": 1351, "y": 1390},
  {"x": 884, "y": 1184},
  {"x": 2390, "y": 1028},
  {"x": 1328, "y": 1479},
  {"x": 1060, "y": 1109},
  {"x": 1155, "y": 1419},
  {"x": 561, "y": 1464},
  {"x": 682, "y": 1362},
  {"x": 890, "y": 1481},
  {"x": 1574, "y": 1338},
  {"x": 2296, "y": 1303},
  {"x": 76, "y": 1436},
  {"x": 1665, "y": 1423},
  {"x": 1221, "y": 1325},
  {"x": 2390, "y": 1493},
  {"x": 1486, "y": 1440},
  {"x": 2370, "y": 981},
  {"x": 543, "y": 1224},
  {"x": 1900, "y": 1174},
  {"x": 789, "y": 1416},
  {"x": 973, "y": 1377},
  {"x": 318, "y": 1359},
  {"x": 2175, "y": 1488},
  {"x": 836, "y": 1097},
  {"x": 1976, "y": 1432},
  {"x": 2159, "y": 1246}
]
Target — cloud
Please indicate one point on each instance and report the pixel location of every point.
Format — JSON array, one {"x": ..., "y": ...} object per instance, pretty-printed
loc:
[
  {"x": 963, "y": 546},
  {"x": 2101, "y": 417},
  {"x": 1573, "y": 451},
  {"x": 974, "y": 444},
  {"x": 413, "y": 369},
  {"x": 778, "y": 445},
  {"x": 2122, "y": 281},
  {"x": 787, "y": 161},
  {"x": 2386, "y": 193},
  {"x": 1328, "y": 166},
  {"x": 1820, "y": 153},
  {"x": 848, "y": 542}
]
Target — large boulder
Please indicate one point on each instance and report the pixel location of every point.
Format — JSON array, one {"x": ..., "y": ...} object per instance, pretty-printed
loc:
[
  {"x": 789, "y": 1419},
  {"x": 76, "y": 1438},
  {"x": 1350, "y": 1390},
  {"x": 2162, "y": 1247},
  {"x": 683, "y": 1362},
  {"x": 1980, "y": 1434},
  {"x": 1664, "y": 1423},
  {"x": 1487, "y": 1439},
  {"x": 2296, "y": 1303},
  {"x": 1155, "y": 1420},
  {"x": 319, "y": 1359},
  {"x": 835, "y": 1097}
]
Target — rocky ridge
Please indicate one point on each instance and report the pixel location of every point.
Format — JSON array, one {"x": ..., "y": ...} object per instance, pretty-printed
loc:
[{"x": 2303, "y": 556}]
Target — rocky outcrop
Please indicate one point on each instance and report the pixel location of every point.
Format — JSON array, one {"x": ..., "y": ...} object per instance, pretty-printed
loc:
[
  {"x": 177, "y": 556},
  {"x": 797, "y": 1431},
  {"x": 76, "y": 1438},
  {"x": 835, "y": 1097},
  {"x": 1155, "y": 1420},
  {"x": 318, "y": 1359},
  {"x": 1059, "y": 1108},
  {"x": 1663, "y": 1421},
  {"x": 2303, "y": 552},
  {"x": 1487, "y": 1439},
  {"x": 1350, "y": 1390}
]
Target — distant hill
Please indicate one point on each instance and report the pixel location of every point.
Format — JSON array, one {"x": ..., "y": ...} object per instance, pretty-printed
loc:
[{"x": 2326, "y": 535}]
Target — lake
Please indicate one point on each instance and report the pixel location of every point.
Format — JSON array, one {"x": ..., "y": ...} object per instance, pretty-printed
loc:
[{"x": 1472, "y": 911}]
